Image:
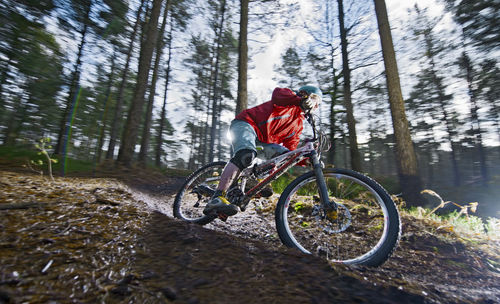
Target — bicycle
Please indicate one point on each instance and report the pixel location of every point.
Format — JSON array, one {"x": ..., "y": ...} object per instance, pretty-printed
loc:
[{"x": 352, "y": 221}]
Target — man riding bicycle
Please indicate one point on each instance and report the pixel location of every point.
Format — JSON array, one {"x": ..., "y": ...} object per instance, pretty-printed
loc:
[{"x": 276, "y": 125}]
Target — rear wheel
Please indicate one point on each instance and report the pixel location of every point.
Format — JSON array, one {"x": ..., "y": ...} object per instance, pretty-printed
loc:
[
  {"x": 196, "y": 192},
  {"x": 364, "y": 229}
]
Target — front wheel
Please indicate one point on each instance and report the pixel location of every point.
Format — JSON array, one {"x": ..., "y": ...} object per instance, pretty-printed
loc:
[
  {"x": 364, "y": 229},
  {"x": 196, "y": 192}
]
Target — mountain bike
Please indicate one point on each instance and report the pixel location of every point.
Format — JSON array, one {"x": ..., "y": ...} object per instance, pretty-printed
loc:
[{"x": 339, "y": 214}]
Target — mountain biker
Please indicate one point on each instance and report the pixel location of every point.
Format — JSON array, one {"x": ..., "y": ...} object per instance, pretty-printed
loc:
[{"x": 276, "y": 125}]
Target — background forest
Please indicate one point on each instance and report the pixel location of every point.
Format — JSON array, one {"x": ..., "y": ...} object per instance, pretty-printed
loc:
[{"x": 157, "y": 82}]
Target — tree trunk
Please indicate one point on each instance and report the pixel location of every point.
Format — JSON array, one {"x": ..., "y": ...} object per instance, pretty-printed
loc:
[
  {"x": 18, "y": 113},
  {"x": 334, "y": 89},
  {"x": 75, "y": 80},
  {"x": 346, "y": 71},
  {"x": 146, "y": 134},
  {"x": 406, "y": 158},
  {"x": 442, "y": 98},
  {"x": 105, "y": 112},
  {"x": 215, "y": 108},
  {"x": 129, "y": 136},
  {"x": 3, "y": 81},
  {"x": 117, "y": 118},
  {"x": 476, "y": 124},
  {"x": 242, "y": 99},
  {"x": 163, "y": 118},
  {"x": 333, "y": 102}
]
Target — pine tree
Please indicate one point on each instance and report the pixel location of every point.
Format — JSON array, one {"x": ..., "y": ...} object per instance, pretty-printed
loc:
[
  {"x": 242, "y": 98},
  {"x": 152, "y": 87},
  {"x": 129, "y": 136},
  {"x": 407, "y": 161},
  {"x": 480, "y": 21},
  {"x": 118, "y": 110},
  {"x": 35, "y": 60},
  {"x": 179, "y": 16},
  {"x": 199, "y": 63},
  {"x": 489, "y": 90},
  {"x": 470, "y": 75},
  {"x": 291, "y": 69},
  {"x": 18, "y": 22},
  {"x": 346, "y": 72},
  {"x": 76, "y": 17},
  {"x": 219, "y": 29},
  {"x": 430, "y": 92},
  {"x": 322, "y": 57}
]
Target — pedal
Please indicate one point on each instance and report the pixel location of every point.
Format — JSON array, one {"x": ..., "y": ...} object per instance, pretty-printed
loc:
[{"x": 223, "y": 217}]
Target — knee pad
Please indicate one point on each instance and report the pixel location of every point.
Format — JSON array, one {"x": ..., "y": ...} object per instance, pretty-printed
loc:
[{"x": 243, "y": 158}]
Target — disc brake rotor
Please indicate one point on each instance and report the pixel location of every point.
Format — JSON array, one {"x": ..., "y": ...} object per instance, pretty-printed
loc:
[{"x": 332, "y": 221}]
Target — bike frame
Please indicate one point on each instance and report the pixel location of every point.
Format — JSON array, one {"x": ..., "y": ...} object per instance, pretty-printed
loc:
[{"x": 291, "y": 159}]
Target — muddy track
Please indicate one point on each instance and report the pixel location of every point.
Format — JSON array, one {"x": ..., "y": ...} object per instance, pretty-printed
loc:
[
  {"x": 96, "y": 240},
  {"x": 425, "y": 268}
]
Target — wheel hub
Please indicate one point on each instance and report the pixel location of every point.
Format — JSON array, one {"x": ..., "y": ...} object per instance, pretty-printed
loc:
[{"x": 332, "y": 221}]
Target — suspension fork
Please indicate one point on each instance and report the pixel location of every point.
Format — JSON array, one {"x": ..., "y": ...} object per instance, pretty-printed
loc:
[{"x": 320, "y": 180}]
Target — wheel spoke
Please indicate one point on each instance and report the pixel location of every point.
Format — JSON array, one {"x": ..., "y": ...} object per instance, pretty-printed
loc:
[
  {"x": 199, "y": 187},
  {"x": 352, "y": 233}
]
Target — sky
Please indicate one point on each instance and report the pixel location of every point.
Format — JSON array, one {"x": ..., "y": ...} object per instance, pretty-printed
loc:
[
  {"x": 260, "y": 81},
  {"x": 261, "y": 76}
]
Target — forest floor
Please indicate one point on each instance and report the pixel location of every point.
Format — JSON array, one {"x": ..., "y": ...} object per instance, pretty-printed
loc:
[{"x": 112, "y": 239}]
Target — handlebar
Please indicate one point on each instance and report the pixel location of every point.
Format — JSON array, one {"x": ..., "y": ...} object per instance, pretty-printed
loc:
[
  {"x": 320, "y": 137},
  {"x": 312, "y": 122}
]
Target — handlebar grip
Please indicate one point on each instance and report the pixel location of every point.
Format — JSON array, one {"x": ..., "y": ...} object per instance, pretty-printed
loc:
[{"x": 310, "y": 118}]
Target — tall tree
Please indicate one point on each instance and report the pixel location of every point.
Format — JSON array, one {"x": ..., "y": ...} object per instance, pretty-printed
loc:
[
  {"x": 480, "y": 21},
  {"x": 39, "y": 80},
  {"x": 117, "y": 117},
  {"x": 211, "y": 67},
  {"x": 407, "y": 160},
  {"x": 489, "y": 90},
  {"x": 242, "y": 98},
  {"x": 30, "y": 71},
  {"x": 346, "y": 72},
  {"x": 199, "y": 63},
  {"x": 80, "y": 13},
  {"x": 112, "y": 33},
  {"x": 77, "y": 16},
  {"x": 470, "y": 75},
  {"x": 146, "y": 130},
  {"x": 292, "y": 75},
  {"x": 322, "y": 56},
  {"x": 219, "y": 32},
  {"x": 107, "y": 98},
  {"x": 129, "y": 136},
  {"x": 178, "y": 20},
  {"x": 163, "y": 115},
  {"x": 437, "y": 101},
  {"x": 18, "y": 19}
]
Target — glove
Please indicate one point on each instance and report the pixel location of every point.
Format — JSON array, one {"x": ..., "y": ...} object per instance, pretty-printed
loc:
[{"x": 307, "y": 104}]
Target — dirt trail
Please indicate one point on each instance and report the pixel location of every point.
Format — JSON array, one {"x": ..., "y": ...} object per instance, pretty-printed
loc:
[
  {"x": 96, "y": 240},
  {"x": 430, "y": 268}
]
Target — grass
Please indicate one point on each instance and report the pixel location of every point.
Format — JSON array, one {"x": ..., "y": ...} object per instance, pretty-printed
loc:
[
  {"x": 465, "y": 226},
  {"x": 22, "y": 155},
  {"x": 282, "y": 182},
  {"x": 461, "y": 222}
]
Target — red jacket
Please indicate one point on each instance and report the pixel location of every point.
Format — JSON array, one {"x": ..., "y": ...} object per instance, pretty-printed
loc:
[{"x": 278, "y": 121}]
